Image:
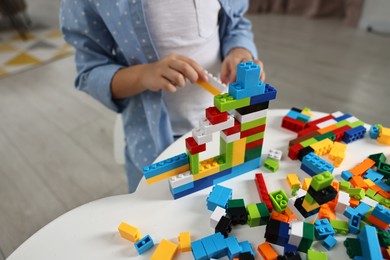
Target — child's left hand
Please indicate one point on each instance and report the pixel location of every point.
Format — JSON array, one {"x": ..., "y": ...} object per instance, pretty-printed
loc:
[{"x": 229, "y": 65}]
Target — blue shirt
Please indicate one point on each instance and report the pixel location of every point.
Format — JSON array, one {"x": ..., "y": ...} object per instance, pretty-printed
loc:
[{"x": 110, "y": 35}]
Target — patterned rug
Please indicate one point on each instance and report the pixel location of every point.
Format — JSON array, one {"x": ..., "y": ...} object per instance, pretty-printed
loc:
[{"x": 41, "y": 46}]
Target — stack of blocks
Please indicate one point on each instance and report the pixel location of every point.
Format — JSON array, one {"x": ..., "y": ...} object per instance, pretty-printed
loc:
[
  {"x": 380, "y": 133},
  {"x": 240, "y": 118}
]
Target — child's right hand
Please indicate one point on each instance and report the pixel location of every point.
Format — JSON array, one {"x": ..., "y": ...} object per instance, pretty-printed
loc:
[{"x": 171, "y": 72}]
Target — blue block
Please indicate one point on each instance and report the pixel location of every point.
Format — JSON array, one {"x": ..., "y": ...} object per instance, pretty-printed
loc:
[
  {"x": 290, "y": 248},
  {"x": 354, "y": 134},
  {"x": 166, "y": 165},
  {"x": 349, "y": 212},
  {"x": 209, "y": 246},
  {"x": 269, "y": 94},
  {"x": 198, "y": 251},
  {"x": 182, "y": 188},
  {"x": 362, "y": 209},
  {"x": 295, "y": 115},
  {"x": 381, "y": 213},
  {"x": 247, "y": 82},
  {"x": 329, "y": 242},
  {"x": 346, "y": 175},
  {"x": 323, "y": 228},
  {"x": 354, "y": 224},
  {"x": 369, "y": 243},
  {"x": 308, "y": 170},
  {"x": 373, "y": 175},
  {"x": 374, "y": 132},
  {"x": 343, "y": 117},
  {"x": 144, "y": 244},
  {"x": 246, "y": 247},
  {"x": 239, "y": 170},
  {"x": 219, "y": 196},
  {"x": 383, "y": 185},
  {"x": 283, "y": 235},
  {"x": 233, "y": 248},
  {"x": 316, "y": 163},
  {"x": 220, "y": 244}
]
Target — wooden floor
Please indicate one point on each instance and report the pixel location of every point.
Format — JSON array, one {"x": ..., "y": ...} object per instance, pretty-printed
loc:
[{"x": 56, "y": 143}]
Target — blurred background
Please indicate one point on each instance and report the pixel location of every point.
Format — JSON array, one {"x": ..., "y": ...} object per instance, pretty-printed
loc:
[{"x": 56, "y": 143}]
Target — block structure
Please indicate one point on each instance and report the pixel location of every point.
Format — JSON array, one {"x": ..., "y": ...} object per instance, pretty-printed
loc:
[{"x": 240, "y": 117}]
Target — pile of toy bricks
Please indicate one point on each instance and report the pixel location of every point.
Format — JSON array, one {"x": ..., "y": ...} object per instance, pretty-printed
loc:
[{"x": 240, "y": 118}]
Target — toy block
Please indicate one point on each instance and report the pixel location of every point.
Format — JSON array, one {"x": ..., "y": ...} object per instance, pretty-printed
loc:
[
  {"x": 329, "y": 242},
  {"x": 356, "y": 193},
  {"x": 271, "y": 234},
  {"x": 369, "y": 243},
  {"x": 129, "y": 232},
  {"x": 254, "y": 137},
  {"x": 306, "y": 215},
  {"x": 245, "y": 115},
  {"x": 326, "y": 212},
  {"x": 238, "y": 153},
  {"x": 362, "y": 167},
  {"x": 279, "y": 216},
  {"x": 352, "y": 245},
  {"x": 296, "y": 233},
  {"x": 283, "y": 235},
  {"x": 184, "y": 240},
  {"x": 198, "y": 251},
  {"x": 374, "y": 132},
  {"x": 253, "y": 124},
  {"x": 267, "y": 252},
  {"x": 307, "y": 238},
  {"x": 310, "y": 206},
  {"x": 293, "y": 151},
  {"x": 226, "y": 102},
  {"x": 306, "y": 183},
  {"x": 321, "y": 181},
  {"x": 181, "y": 182},
  {"x": 194, "y": 163},
  {"x": 208, "y": 128},
  {"x": 316, "y": 255},
  {"x": 233, "y": 247},
  {"x": 144, "y": 244},
  {"x": 215, "y": 116},
  {"x": 293, "y": 124},
  {"x": 275, "y": 154},
  {"x": 326, "y": 123},
  {"x": 201, "y": 137},
  {"x": 313, "y": 164},
  {"x": 358, "y": 182},
  {"x": 264, "y": 213},
  {"x": 217, "y": 214},
  {"x": 230, "y": 138},
  {"x": 384, "y": 136},
  {"x": 165, "y": 250},
  {"x": 219, "y": 196},
  {"x": 236, "y": 203},
  {"x": 354, "y": 134},
  {"x": 373, "y": 175},
  {"x": 224, "y": 226},
  {"x": 206, "y": 168},
  {"x": 384, "y": 169},
  {"x": 263, "y": 191},
  {"x": 271, "y": 164},
  {"x": 253, "y": 153},
  {"x": 269, "y": 94},
  {"x": 246, "y": 248},
  {"x": 254, "y": 144},
  {"x": 304, "y": 151},
  {"x": 193, "y": 147},
  {"x": 377, "y": 158},
  {"x": 165, "y": 165},
  {"x": 253, "y": 215},
  {"x": 309, "y": 142},
  {"x": 346, "y": 175},
  {"x": 247, "y": 82},
  {"x": 293, "y": 182},
  {"x": 168, "y": 174},
  {"x": 238, "y": 215},
  {"x": 252, "y": 131},
  {"x": 318, "y": 121},
  {"x": 339, "y": 226},
  {"x": 341, "y": 117},
  {"x": 236, "y": 128},
  {"x": 378, "y": 223},
  {"x": 327, "y": 135},
  {"x": 382, "y": 213},
  {"x": 337, "y": 149},
  {"x": 215, "y": 245},
  {"x": 226, "y": 153},
  {"x": 279, "y": 200},
  {"x": 213, "y": 85}
]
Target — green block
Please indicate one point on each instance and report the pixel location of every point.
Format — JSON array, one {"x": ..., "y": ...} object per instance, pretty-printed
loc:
[
  {"x": 355, "y": 124},
  {"x": 254, "y": 137},
  {"x": 236, "y": 203},
  {"x": 316, "y": 255},
  {"x": 223, "y": 165},
  {"x": 378, "y": 157},
  {"x": 384, "y": 238},
  {"x": 194, "y": 162},
  {"x": 253, "y": 124},
  {"x": 226, "y": 150},
  {"x": 341, "y": 227},
  {"x": 357, "y": 193},
  {"x": 225, "y": 102},
  {"x": 308, "y": 142},
  {"x": 329, "y": 135},
  {"x": 321, "y": 181},
  {"x": 378, "y": 198},
  {"x": 264, "y": 213},
  {"x": 279, "y": 200},
  {"x": 253, "y": 215},
  {"x": 344, "y": 185},
  {"x": 307, "y": 238},
  {"x": 384, "y": 168},
  {"x": 385, "y": 202},
  {"x": 370, "y": 193},
  {"x": 310, "y": 199},
  {"x": 271, "y": 164},
  {"x": 353, "y": 247},
  {"x": 253, "y": 153},
  {"x": 342, "y": 123}
]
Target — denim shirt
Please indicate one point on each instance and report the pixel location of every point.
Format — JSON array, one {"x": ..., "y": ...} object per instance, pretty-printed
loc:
[{"x": 111, "y": 34}]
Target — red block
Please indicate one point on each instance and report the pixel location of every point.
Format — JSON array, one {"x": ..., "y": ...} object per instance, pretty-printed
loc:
[
  {"x": 254, "y": 144},
  {"x": 252, "y": 131},
  {"x": 234, "y": 129},
  {"x": 294, "y": 151},
  {"x": 262, "y": 190},
  {"x": 307, "y": 130},
  {"x": 193, "y": 147},
  {"x": 292, "y": 124},
  {"x": 319, "y": 120},
  {"x": 215, "y": 116},
  {"x": 339, "y": 132}
]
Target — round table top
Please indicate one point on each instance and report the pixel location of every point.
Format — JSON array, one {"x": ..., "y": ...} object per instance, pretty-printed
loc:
[{"x": 90, "y": 231}]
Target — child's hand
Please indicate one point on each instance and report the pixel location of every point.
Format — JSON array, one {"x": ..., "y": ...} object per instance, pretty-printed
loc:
[
  {"x": 171, "y": 72},
  {"x": 229, "y": 65}
]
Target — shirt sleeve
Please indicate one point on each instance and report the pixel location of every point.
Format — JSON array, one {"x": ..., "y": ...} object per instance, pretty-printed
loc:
[
  {"x": 83, "y": 28},
  {"x": 236, "y": 29}
]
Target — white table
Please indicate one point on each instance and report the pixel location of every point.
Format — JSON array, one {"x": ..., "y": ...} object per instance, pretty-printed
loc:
[{"x": 90, "y": 231}]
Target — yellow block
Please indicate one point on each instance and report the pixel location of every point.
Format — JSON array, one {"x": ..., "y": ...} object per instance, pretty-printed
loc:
[
  {"x": 184, "y": 241},
  {"x": 292, "y": 180},
  {"x": 336, "y": 149},
  {"x": 308, "y": 207},
  {"x": 129, "y": 232},
  {"x": 210, "y": 88},
  {"x": 168, "y": 174},
  {"x": 306, "y": 183},
  {"x": 369, "y": 182},
  {"x": 207, "y": 167},
  {"x": 322, "y": 147},
  {"x": 165, "y": 250},
  {"x": 238, "y": 152},
  {"x": 384, "y": 136}
]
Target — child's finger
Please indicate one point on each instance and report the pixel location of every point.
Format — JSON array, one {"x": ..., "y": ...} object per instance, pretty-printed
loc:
[
  {"x": 167, "y": 85},
  {"x": 199, "y": 70},
  {"x": 175, "y": 77},
  {"x": 225, "y": 72},
  {"x": 185, "y": 69}
]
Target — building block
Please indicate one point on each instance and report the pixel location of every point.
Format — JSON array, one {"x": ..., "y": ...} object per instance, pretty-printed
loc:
[
  {"x": 206, "y": 168},
  {"x": 316, "y": 164},
  {"x": 382, "y": 213},
  {"x": 279, "y": 200},
  {"x": 275, "y": 154},
  {"x": 267, "y": 252},
  {"x": 184, "y": 240},
  {"x": 304, "y": 151},
  {"x": 224, "y": 226},
  {"x": 144, "y": 244},
  {"x": 316, "y": 255},
  {"x": 354, "y": 134},
  {"x": 216, "y": 216},
  {"x": 377, "y": 158},
  {"x": 269, "y": 94},
  {"x": 341, "y": 227},
  {"x": 238, "y": 152},
  {"x": 247, "y": 114},
  {"x": 215, "y": 116},
  {"x": 293, "y": 124},
  {"x": 362, "y": 167},
  {"x": 165, "y": 165},
  {"x": 263, "y": 191},
  {"x": 253, "y": 124},
  {"x": 252, "y": 131},
  {"x": 279, "y": 216},
  {"x": 165, "y": 250},
  {"x": 337, "y": 153},
  {"x": 293, "y": 182},
  {"x": 253, "y": 215},
  {"x": 326, "y": 212},
  {"x": 129, "y": 232},
  {"x": 308, "y": 237},
  {"x": 208, "y": 128},
  {"x": 193, "y": 146},
  {"x": 271, "y": 164},
  {"x": 384, "y": 136},
  {"x": 198, "y": 251},
  {"x": 321, "y": 181},
  {"x": 213, "y": 85},
  {"x": 296, "y": 233},
  {"x": 322, "y": 147},
  {"x": 181, "y": 179},
  {"x": 373, "y": 175},
  {"x": 352, "y": 245},
  {"x": 226, "y": 102},
  {"x": 246, "y": 248},
  {"x": 323, "y": 229},
  {"x": 369, "y": 243},
  {"x": 293, "y": 151},
  {"x": 219, "y": 196},
  {"x": 233, "y": 247}
]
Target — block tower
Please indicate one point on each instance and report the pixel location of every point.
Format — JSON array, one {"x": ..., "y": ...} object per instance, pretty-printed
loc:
[{"x": 240, "y": 118}]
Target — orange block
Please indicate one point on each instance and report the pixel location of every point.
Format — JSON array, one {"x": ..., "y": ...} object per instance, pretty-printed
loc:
[
  {"x": 353, "y": 202},
  {"x": 377, "y": 222},
  {"x": 362, "y": 167},
  {"x": 326, "y": 212},
  {"x": 358, "y": 182},
  {"x": 278, "y": 216},
  {"x": 267, "y": 252},
  {"x": 327, "y": 129},
  {"x": 290, "y": 214},
  {"x": 384, "y": 194}
]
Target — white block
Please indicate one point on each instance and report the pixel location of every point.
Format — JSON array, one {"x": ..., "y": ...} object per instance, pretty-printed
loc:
[
  {"x": 217, "y": 214},
  {"x": 300, "y": 193},
  {"x": 291, "y": 206},
  {"x": 342, "y": 202},
  {"x": 326, "y": 123},
  {"x": 200, "y": 137},
  {"x": 215, "y": 82},
  {"x": 230, "y": 138},
  {"x": 275, "y": 154},
  {"x": 296, "y": 233},
  {"x": 209, "y": 128},
  {"x": 251, "y": 116},
  {"x": 352, "y": 119},
  {"x": 181, "y": 179},
  {"x": 337, "y": 114},
  {"x": 370, "y": 201}
]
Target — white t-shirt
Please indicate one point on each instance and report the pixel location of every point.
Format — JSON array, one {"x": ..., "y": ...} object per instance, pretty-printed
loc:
[{"x": 190, "y": 28}]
